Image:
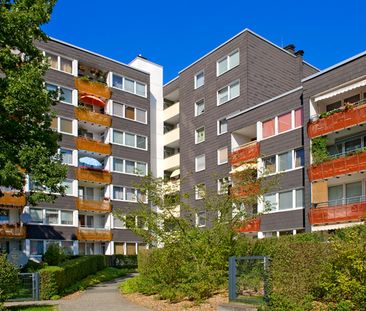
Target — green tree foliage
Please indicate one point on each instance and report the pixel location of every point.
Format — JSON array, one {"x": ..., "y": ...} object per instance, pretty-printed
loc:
[
  {"x": 319, "y": 149},
  {"x": 54, "y": 255},
  {"x": 27, "y": 144},
  {"x": 8, "y": 278}
]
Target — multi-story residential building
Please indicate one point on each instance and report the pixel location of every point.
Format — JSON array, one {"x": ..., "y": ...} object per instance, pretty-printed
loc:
[{"x": 246, "y": 104}]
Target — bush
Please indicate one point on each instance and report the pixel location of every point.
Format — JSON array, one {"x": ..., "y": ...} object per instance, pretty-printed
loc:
[
  {"x": 54, "y": 255},
  {"x": 54, "y": 280},
  {"x": 123, "y": 261},
  {"x": 8, "y": 278}
]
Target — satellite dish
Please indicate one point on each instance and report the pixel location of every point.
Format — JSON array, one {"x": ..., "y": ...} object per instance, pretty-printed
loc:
[
  {"x": 25, "y": 218},
  {"x": 17, "y": 258}
]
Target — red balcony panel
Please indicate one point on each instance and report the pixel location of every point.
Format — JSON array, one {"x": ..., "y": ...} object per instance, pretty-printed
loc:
[
  {"x": 338, "y": 121},
  {"x": 344, "y": 165},
  {"x": 242, "y": 191},
  {"x": 251, "y": 226},
  {"x": 339, "y": 213},
  {"x": 245, "y": 153}
]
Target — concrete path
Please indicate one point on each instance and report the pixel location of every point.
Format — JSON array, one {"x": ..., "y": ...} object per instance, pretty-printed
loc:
[{"x": 102, "y": 297}]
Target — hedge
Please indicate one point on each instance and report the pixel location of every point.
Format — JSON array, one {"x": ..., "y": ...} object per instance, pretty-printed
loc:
[{"x": 122, "y": 261}]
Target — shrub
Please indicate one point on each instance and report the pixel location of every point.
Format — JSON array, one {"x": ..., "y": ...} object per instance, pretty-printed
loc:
[
  {"x": 8, "y": 278},
  {"x": 54, "y": 255},
  {"x": 123, "y": 261}
]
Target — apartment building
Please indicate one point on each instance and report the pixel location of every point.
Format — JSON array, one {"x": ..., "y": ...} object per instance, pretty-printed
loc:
[{"x": 104, "y": 115}]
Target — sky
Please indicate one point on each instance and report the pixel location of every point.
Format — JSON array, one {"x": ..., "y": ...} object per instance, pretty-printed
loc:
[{"x": 176, "y": 33}]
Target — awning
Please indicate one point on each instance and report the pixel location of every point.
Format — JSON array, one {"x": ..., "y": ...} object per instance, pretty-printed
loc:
[
  {"x": 341, "y": 90},
  {"x": 175, "y": 173},
  {"x": 92, "y": 100}
]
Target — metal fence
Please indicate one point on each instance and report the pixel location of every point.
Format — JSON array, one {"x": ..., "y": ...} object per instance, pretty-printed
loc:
[
  {"x": 248, "y": 279},
  {"x": 27, "y": 287}
]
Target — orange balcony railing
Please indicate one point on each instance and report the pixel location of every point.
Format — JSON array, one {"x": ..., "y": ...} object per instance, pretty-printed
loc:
[
  {"x": 12, "y": 231},
  {"x": 252, "y": 225},
  {"x": 94, "y": 88},
  {"x": 340, "y": 166},
  {"x": 12, "y": 201},
  {"x": 93, "y": 117},
  {"x": 347, "y": 211},
  {"x": 93, "y": 146},
  {"x": 92, "y": 175},
  {"x": 245, "y": 153},
  {"x": 346, "y": 118},
  {"x": 94, "y": 206},
  {"x": 242, "y": 191},
  {"x": 94, "y": 234}
]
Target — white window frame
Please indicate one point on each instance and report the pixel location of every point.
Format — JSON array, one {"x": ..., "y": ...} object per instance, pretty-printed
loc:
[
  {"x": 124, "y": 166},
  {"x": 196, "y": 161},
  {"x": 196, "y": 80},
  {"x": 229, "y": 86},
  {"x": 59, "y": 217},
  {"x": 277, "y": 195},
  {"x": 123, "y": 135},
  {"x": 72, "y": 155},
  {"x": 73, "y": 93},
  {"x": 196, "y": 191},
  {"x": 218, "y": 155},
  {"x": 221, "y": 182},
  {"x": 198, "y": 215},
  {"x": 59, "y": 125},
  {"x": 228, "y": 58},
  {"x": 124, "y": 112},
  {"x": 73, "y": 73},
  {"x": 124, "y": 195},
  {"x": 195, "y": 107},
  {"x": 196, "y": 135},
  {"x": 123, "y": 85},
  {"x": 277, "y": 171},
  {"x": 218, "y": 126}
]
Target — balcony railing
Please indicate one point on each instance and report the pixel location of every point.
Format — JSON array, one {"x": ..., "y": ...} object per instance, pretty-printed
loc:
[
  {"x": 12, "y": 231},
  {"x": 94, "y": 88},
  {"x": 340, "y": 166},
  {"x": 346, "y": 117},
  {"x": 252, "y": 225},
  {"x": 93, "y": 146},
  {"x": 93, "y": 117},
  {"x": 94, "y": 206},
  {"x": 336, "y": 211},
  {"x": 93, "y": 175},
  {"x": 242, "y": 191},
  {"x": 245, "y": 153},
  {"x": 12, "y": 201},
  {"x": 94, "y": 234}
]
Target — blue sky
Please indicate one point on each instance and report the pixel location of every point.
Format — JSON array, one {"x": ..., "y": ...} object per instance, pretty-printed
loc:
[{"x": 176, "y": 33}]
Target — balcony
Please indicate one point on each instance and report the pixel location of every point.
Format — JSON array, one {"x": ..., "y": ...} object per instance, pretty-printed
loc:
[
  {"x": 92, "y": 87},
  {"x": 251, "y": 226},
  {"x": 351, "y": 115},
  {"x": 172, "y": 162},
  {"x": 245, "y": 153},
  {"x": 344, "y": 210},
  {"x": 93, "y": 146},
  {"x": 243, "y": 191},
  {"x": 94, "y": 234},
  {"x": 12, "y": 231},
  {"x": 347, "y": 164},
  {"x": 94, "y": 206},
  {"x": 93, "y": 117},
  {"x": 171, "y": 113},
  {"x": 171, "y": 138},
  {"x": 93, "y": 175},
  {"x": 12, "y": 201}
]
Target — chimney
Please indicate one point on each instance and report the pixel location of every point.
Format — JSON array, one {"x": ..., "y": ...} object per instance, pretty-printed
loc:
[{"x": 290, "y": 48}]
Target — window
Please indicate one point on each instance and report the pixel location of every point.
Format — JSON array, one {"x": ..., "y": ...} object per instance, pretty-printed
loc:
[
  {"x": 228, "y": 93},
  {"x": 228, "y": 62},
  {"x": 284, "y": 200},
  {"x": 118, "y": 109},
  {"x": 66, "y": 156},
  {"x": 200, "y": 163},
  {"x": 129, "y": 167},
  {"x": 66, "y": 218},
  {"x": 59, "y": 63},
  {"x": 285, "y": 161},
  {"x": 200, "y": 191},
  {"x": 51, "y": 217},
  {"x": 223, "y": 185},
  {"x": 299, "y": 158},
  {"x": 199, "y": 107},
  {"x": 36, "y": 215},
  {"x": 128, "y": 194},
  {"x": 129, "y": 140},
  {"x": 334, "y": 106},
  {"x": 200, "y": 135},
  {"x": 268, "y": 128},
  {"x": 67, "y": 183},
  {"x": 140, "y": 115},
  {"x": 129, "y": 113},
  {"x": 222, "y": 155},
  {"x": 270, "y": 165},
  {"x": 221, "y": 126},
  {"x": 199, "y": 80},
  {"x": 201, "y": 219},
  {"x": 270, "y": 202},
  {"x": 118, "y": 223},
  {"x": 4, "y": 215},
  {"x": 117, "y": 193},
  {"x": 299, "y": 117},
  {"x": 36, "y": 247},
  {"x": 65, "y": 126},
  {"x": 118, "y": 165},
  {"x": 129, "y": 85},
  {"x": 284, "y": 122},
  {"x": 64, "y": 94},
  {"x": 299, "y": 198}
]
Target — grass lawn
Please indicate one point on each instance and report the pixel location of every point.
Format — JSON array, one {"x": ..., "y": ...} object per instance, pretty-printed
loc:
[{"x": 34, "y": 308}]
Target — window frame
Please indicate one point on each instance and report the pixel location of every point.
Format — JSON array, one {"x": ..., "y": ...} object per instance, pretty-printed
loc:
[
  {"x": 58, "y": 211},
  {"x": 228, "y": 59},
  {"x": 196, "y": 191},
  {"x": 218, "y": 157},
  {"x": 294, "y": 200},
  {"x": 136, "y": 194},
  {"x": 195, "y": 107},
  {"x": 196, "y": 161},
  {"x": 196, "y": 80},
  {"x": 198, "y": 217},
  {"x": 124, "y": 166},
  {"x": 293, "y": 162},
  {"x": 123, "y": 88},
  {"x": 44, "y": 52},
  {"x": 229, "y": 87},
  {"x": 218, "y": 126},
  {"x": 196, "y": 135},
  {"x": 124, "y": 140},
  {"x": 59, "y": 87},
  {"x": 124, "y": 106}
]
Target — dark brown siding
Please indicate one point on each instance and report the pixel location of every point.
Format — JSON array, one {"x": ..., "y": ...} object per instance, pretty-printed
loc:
[
  {"x": 283, "y": 220},
  {"x": 125, "y": 235},
  {"x": 51, "y": 232}
]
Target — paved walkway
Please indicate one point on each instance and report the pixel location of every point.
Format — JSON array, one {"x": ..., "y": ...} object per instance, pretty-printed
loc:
[{"x": 102, "y": 297}]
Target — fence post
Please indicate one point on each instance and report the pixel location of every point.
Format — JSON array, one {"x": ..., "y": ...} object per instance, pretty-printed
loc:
[
  {"x": 232, "y": 278},
  {"x": 266, "y": 287},
  {"x": 36, "y": 287}
]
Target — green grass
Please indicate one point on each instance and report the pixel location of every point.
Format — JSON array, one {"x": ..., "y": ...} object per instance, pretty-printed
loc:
[
  {"x": 104, "y": 275},
  {"x": 129, "y": 286},
  {"x": 34, "y": 308}
]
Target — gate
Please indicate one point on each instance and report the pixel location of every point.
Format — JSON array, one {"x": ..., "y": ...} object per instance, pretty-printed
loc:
[{"x": 28, "y": 287}]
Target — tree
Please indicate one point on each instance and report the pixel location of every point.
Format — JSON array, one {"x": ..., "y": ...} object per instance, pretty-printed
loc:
[
  {"x": 27, "y": 144},
  {"x": 8, "y": 278}
]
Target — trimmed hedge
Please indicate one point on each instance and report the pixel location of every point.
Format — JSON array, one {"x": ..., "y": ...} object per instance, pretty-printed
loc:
[{"x": 123, "y": 261}]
